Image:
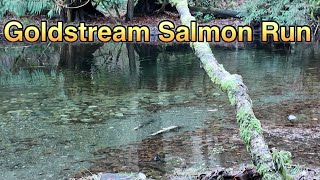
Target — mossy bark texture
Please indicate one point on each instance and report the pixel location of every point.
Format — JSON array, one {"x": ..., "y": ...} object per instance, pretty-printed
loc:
[{"x": 232, "y": 84}]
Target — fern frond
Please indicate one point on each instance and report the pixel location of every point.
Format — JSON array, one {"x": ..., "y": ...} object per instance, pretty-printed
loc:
[
  {"x": 19, "y": 7},
  {"x": 36, "y": 6},
  {"x": 22, "y": 7},
  {"x": 55, "y": 9}
]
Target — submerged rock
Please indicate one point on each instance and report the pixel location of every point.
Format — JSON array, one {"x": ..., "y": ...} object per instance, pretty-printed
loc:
[
  {"x": 157, "y": 157},
  {"x": 86, "y": 120},
  {"x": 176, "y": 162},
  {"x": 92, "y": 107},
  {"x": 119, "y": 115},
  {"x": 123, "y": 109},
  {"x": 107, "y": 176},
  {"x": 142, "y": 176},
  {"x": 292, "y": 118}
]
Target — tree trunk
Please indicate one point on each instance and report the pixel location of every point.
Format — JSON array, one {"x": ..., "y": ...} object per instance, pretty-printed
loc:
[
  {"x": 163, "y": 7},
  {"x": 131, "y": 57},
  {"x": 219, "y": 13},
  {"x": 68, "y": 12},
  {"x": 145, "y": 7},
  {"x": 250, "y": 127},
  {"x": 149, "y": 7},
  {"x": 130, "y": 10},
  {"x": 78, "y": 10}
]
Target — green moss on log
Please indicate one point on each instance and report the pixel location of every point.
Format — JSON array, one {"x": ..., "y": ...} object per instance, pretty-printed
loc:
[
  {"x": 232, "y": 84},
  {"x": 283, "y": 162},
  {"x": 229, "y": 85}
]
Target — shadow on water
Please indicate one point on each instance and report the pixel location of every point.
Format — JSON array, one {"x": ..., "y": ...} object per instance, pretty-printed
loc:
[{"x": 69, "y": 110}]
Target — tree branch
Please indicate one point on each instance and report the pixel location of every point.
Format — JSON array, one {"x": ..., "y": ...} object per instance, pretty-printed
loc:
[{"x": 250, "y": 127}]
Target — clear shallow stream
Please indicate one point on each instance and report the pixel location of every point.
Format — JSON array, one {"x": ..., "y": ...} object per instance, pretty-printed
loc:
[{"x": 70, "y": 109}]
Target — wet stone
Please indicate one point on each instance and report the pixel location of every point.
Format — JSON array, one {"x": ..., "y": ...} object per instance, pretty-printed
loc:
[
  {"x": 92, "y": 107},
  {"x": 12, "y": 112},
  {"x": 108, "y": 176},
  {"x": 292, "y": 118},
  {"x": 119, "y": 115},
  {"x": 65, "y": 119},
  {"x": 216, "y": 94},
  {"x": 123, "y": 109},
  {"x": 85, "y": 120},
  {"x": 176, "y": 162},
  {"x": 95, "y": 113}
]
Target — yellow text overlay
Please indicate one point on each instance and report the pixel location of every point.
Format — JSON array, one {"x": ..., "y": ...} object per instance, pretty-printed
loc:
[{"x": 14, "y": 31}]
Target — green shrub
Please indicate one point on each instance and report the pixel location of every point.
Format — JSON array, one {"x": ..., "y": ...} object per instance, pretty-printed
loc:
[
  {"x": 208, "y": 17},
  {"x": 220, "y": 4},
  {"x": 22, "y": 7},
  {"x": 285, "y": 12}
]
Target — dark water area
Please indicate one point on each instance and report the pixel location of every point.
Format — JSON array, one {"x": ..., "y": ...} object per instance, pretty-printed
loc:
[{"x": 71, "y": 110}]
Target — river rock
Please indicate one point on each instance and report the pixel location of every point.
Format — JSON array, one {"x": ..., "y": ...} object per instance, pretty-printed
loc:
[
  {"x": 108, "y": 176},
  {"x": 92, "y": 107},
  {"x": 85, "y": 120},
  {"x": 119, "y": 115},
  {"x": 292, "y": 118},
  {"x": 142, "y": 176},
  {"x": 123, "y": 109},
  {"x": 176, "y": 162}
]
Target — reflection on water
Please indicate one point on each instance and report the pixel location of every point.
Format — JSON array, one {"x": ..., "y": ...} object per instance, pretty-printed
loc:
[{"x": 68, "y": 108}]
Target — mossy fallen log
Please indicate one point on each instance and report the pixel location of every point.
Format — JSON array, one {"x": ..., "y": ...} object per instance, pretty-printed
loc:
[
  {"x": 219, "y": 13},
  {"x": 232, "y": 84}
]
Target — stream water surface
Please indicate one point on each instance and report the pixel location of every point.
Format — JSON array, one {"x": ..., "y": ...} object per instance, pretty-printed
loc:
[{"x": 71, "y": 110}]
